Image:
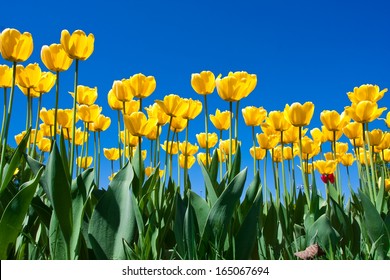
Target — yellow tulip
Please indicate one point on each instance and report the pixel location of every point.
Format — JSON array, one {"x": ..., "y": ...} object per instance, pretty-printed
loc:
[
  {"x": 122, "y": 91},
  {"x": 194, "y": 109},
  {"x": 100, "y": 124},
  {"x": 190, "y": 150},
  {"x": 307, "y": 168},
  {"x": 254, "y": 116},
  {"x": 221, "y": 120},
  {"x": 131, "y": 106},
  {"x": 291, "y": 135},
  {"x": 190, "y": 161},
  {"x": 45, "y": 83},
  {"x": 141, "y": 86},
  {"x": 299, "y": 115},
  {"x": 267, "y": 142},
  {"x": 276, "y": 154},
  {"x": 65, "y": 117},
  {"x": 173, "y": 147},
  {"x": 317, "y": 135},
  {"x": 154, "y": 111},
  {"x": 131, "y": 140},
  {"x": 5, "y": 76},
  {"x": 29, "y": 92},
  {"x": 111, "y": 154},
  {"x": 48, "y": 130},
  {"x": 347, "y": 159},
  {"x": 364, "y": 111},
  {"x": 375, "y": 136},
  {"x": 29, "y": 76},
  {"x": 212, "y": 139},
  {"x": 47, "y": 116},
  {"x": 149, "y": 171},
  {"x": 258, "y": 153},
  {"x": 85, "y": 95},
  {"x": 308, "y": 145},
  {"x": 387, "y": 120},
  {"x": 387, "y": 185},
  {"x": 366, "y": 92},
  {"x": 221, "y": 155},
  {"x": 44, "y": 145},
  {"x": 353, "y": 130},
  {"x": 385, "y": 143},
  {"x": 201, "y": 157},
  {"x": 84, "y": 162},
  {"x": 133, "y": 152},
  {"x": 203, "y": 83},
  {"x": 138, "y": 124},
  {"x": 358, "y": 142},
  {"x": 178, "y": 124},
  {"x": 277, "y": 120},
  {"x": 325, "y": 167},
  {"x": 334, "y": 121},
  {"x": 79, "y": 137},
  {"x": 362, "y": 158},
  {"x": 288, "y": 153},
  {"x": 224, "y": 146},
  {"x": 330, "y": 135},
  {"x": 78, "y": 45},
  {"x": 236, "y": 86},
  {"x": 14, "y": 46},
  {"x": 87, "y": 113},
  {"x": 173, "y": 105},
  {"x": 55, "y": 58},
  {"x": 20, "y": 136},
  {"x": 386, "y": 155},
  {"x": 341, "y": 148},
  {"x": 153, "y": 133},
  {"x": 113, "y": 102}
]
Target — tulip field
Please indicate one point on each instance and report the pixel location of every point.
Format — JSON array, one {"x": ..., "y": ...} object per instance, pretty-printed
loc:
[{"x": 54, "y": 205}]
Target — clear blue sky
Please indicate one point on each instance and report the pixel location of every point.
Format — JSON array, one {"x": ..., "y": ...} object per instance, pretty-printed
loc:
[{"x": 300, "y": 50}]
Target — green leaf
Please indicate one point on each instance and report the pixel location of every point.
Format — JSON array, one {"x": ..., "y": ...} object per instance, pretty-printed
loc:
[
  {"x": 14, "y": 215},
  {"x": 178, "y": 226},
  {"x": 139, "y": 173},
  {"x": 9, "y": 169},
  {"x": 247, "y": 235},
  {"x": 64, "y": 156},
  {"x": 113, "y": 220},
  {"x": 189, "y": 232},
  {"x": 58, "y": 188},
  {"x": 222, "y": 211},
  {"x": 236, "y": 166},
  {"x": 341, "y": 223},
  {"x": 322, "y": 232},
  {"x": 213, "y": 168},
  {"x": 58, "y": 245},
  {"x": 375, "y": 227},
  {"x": 250, "y": 196},
  {"x": 44, "y": 212},
  {"x": 82, "y": 187},
  {"x": 210, "y": 188},
  {"x": 270, "y": 229},
  {"x": 201, "y": 209}
]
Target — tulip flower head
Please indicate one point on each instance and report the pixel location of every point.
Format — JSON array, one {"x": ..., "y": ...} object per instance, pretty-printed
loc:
[
  {"x": 78, "y": 45},
  {"x": 364, "y": 111},
  {"x": 334, "y": 121},
  {"x": 254, "y": 116},
  {"x": 366, "y": 92},
  {"x": 194, "y": 109},
  {"x": 299, "y": 115},
  {"x": 85, "y": 95},
  {"x": 101, "y": 123},
  {"x": 87, "y": 113},
  {"x": 212, "y": 139},
  {"x": 84, "y": 162},
  {"x": 111, "y": 154},
  {"x": 55, "y": 58},
  {"x": 154, "y": 111},
  {"x": 15, "y": 46},
  {"x": 29, "y": 76},
  {"x": 203, "y": 83},
  {"x": 258, "y": 153},
  {"x": 173, "y": 105},
  {"x": 5, "y": 76},
  {"x": 190, "y": 161},
  {"x": 139, "y": 125},
  {"x": 141, "y": 86},
  {"x": 221, "y": 120},
  {"x": 236, "y": 86}
]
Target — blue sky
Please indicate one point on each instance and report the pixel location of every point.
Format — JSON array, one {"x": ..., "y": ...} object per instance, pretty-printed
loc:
[{"x": 300, "y": 50}]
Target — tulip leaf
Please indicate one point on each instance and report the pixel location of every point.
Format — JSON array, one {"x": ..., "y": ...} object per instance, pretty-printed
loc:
[
  {"x": 270, "y": 229},
  {"x": 189, "y": 232},
  {"x": 82, "y": 187},
  {"x": 322, "y": 232},
  {"x": 247, "y": 234},
  {"x": 201, "y": 209},
  {"x": 341, "y": 222},
  {"x": 178, "y": 227},
  {"x": 213, "y": 168},
  {"x": 58, "y": 246},
  {"x": 250, "y": 195},
  {"x": 222, "y": 211},
  {"x": 211, "y": 195},
  {"x": 14, "y": 215},
  {"x": 9, "y": 169},
  {"x": 236, "y": 166},
  {"x": 58, "y": 188},
  {"x": 375, "y": 226},
  {"x": 113, "y": 220},
  {"x": 44, "y": 212}
]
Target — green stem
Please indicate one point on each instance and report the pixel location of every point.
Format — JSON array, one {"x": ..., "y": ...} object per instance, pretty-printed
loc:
[
  {"x": 206, "y": 122},
  {"x": 7, "y": 122},
  {"x": 82, "y": 150},
  {"x": 276, "y": 181},
  {"x": 220, "y": 160},
  {"x": 236, "y": 122},
  {"x": 37, "y": 124},
  {"x": 186, "y": 159},
  {"x": 98, "y": 157},
  {"x": 166, "y": 147},
  {"x": 72, "y": 159},
  {"x": 254, "y": 151},
  {"x": 4, "y": 115},
  {"x": 304, "y": 175},
  {"x": 119, "y": 140},
  {"x": 286, "y": 195},
  {"x": 230, "y": 136},
  {"x": 56, "y": 104},
  {"x": 125, "y": 134},
  {"x": 87, "y": 145}
]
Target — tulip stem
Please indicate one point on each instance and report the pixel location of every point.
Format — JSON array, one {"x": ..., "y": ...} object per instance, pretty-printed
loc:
[
  {"x": 166, "y": 147},
  {"x": 221, "y": 159},
  {"x": 286, "y": 194},
  {"x": 56, "y": 104},
  {"x": 206, "y": 122},
  {"x": 4, "y": 115},
  {"x": 119, "y": 139},
  {"x": 186, "y": 159},
  {"x": 265, "y": 184},
  {"x": 236, "y": 122},
  {"x": 276, "y": 179},
  {"x": 95, "y": 156},
  {"x": 125, "y": 134},
  {"x": 36, "y": 124},
  {"x": 373, "y": 169},
  {"x": 304, "y": 175},
  {"x": 230, "y": 136},
  {"x": 254, "y": 151},
  {"x": 98, "y": 157},
  {"x": 87, "y": 145},
  {"x": 72, "y": 159},
  {"x": 157, "y": 147},
  {"x": 140, "y": 160},
  {"x": 7, "y": 122}
]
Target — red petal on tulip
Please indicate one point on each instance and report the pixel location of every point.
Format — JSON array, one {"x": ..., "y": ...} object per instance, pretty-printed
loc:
[
  {"x": 324, "y": 178},
  {"x": 331, "y": 178}
]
